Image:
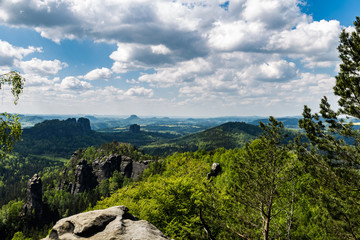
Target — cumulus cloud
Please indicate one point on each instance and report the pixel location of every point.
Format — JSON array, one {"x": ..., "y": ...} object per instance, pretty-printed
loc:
[
  {"x": 248, "y": 51},
  {"x": 186, "y": 71},
  {"x": 139, "y": 91},
  {"x": 73, "y": 83},
  {"x": 273, "y": 71},
  {"x": 239, "y": 35},
  {"x": 154, "y": 33},
  {"x": 34, "y": 80},
  {"x": 315, "y": 42},
  {"x": 307, "y": 37},
  {"x": 42, "y": 67},
  {"x": 9, "y": 54},
  {"x": 274, "y": 14},
  {"x": 99, "y": 73},
  {"x": 131, "y": 57}
]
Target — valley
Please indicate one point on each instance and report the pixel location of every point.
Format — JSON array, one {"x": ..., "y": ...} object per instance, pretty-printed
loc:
[{"x": 54, "y": 148}]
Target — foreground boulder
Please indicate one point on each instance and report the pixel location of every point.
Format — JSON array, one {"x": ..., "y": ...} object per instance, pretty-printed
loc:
[{"x": 112, "y": 223}]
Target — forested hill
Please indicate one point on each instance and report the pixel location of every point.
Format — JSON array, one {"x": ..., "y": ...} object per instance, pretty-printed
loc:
[
  {"x": 59, "y": 128},
  {"x": 289, "y": 122},
  {"x": 60, "y": 138},
  {"x": 229, "y": 135}
]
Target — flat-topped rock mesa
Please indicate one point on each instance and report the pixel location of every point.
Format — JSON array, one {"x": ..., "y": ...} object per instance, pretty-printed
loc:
[
  {"x": 59, "y": 128},
  {"x": 113, "y": 223},
  {"x": 134, "y": 128}
]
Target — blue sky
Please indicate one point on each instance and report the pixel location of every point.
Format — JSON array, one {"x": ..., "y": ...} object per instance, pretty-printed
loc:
[{"x": 172, "y": 58}]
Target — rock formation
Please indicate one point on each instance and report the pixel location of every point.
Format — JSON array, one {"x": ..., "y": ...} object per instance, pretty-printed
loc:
[
  {"x": 89, "y": 175},
  {"x": 104, "y": 168},
  {"x": 112, "y": 223},
  {"x": 59, "y": 128},
  {"x": 35, "y": 211},
  {"x": 84, "y": 125},
  {"x": 138, "y": 168},
  {"x": 215, "y": 170},
  {"x": 34, "y": 197},
  {"x": 134, "y": 128},
  {"x": 84, "y": 178}
]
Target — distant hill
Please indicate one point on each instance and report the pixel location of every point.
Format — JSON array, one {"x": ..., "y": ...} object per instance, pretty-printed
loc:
[
  {"x": 228, "y": 135},
  {"x": 59, "y": 128},
  {"x": 61, "y": 138},
  {"x": 289, "y": 122}
]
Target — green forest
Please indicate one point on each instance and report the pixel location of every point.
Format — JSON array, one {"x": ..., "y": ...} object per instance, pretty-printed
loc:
[{"x": 274, "y": 183}]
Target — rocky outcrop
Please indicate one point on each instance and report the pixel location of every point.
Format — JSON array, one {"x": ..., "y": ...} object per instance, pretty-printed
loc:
[
  {"x": 138, "y": 168},
  {"x": 134, "y": 128},
  {"x": 88, "y": 175},
  {"x": 133, "y": 169},
  {"x": 34, "y": 197},
  {"x": 215, "y": 170},
  {"x": 104, "y": 168},
  {"x": 126, "y": 167},
  {"x": 84, "y": 125},
  {"x": 59, "y": 128},
  {"x": 35, "y": 212},
  {"x": 112, "y": 223},
  {"x": 84, "y": 178}
]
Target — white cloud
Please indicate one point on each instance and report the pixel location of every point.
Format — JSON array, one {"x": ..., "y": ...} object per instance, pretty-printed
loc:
[
  {"x": 307, "y": 37},
  {"x": 239, "y": 35},
  {"x": 42, "y": 67},
  {"x": 139, "y": 91},
  {"x": 275, "y": 14},
  {"x": 73, "y": 83},
  {"x": 131, "y": 57},
  {"x": 314, "y": 43},
  {"x": 180, "y": 73},
  {"x": 103, "y": 73},
  {"x": 9, "y": 54},
  {"x": 275, "y": 71},
  {"x": 32, "y": 80},
  {"x": 253, "y": 52},
  {"x": 160, "y": 49}
]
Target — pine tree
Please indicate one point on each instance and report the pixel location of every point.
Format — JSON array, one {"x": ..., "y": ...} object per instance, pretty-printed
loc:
[{"x": 333, "y": 156}]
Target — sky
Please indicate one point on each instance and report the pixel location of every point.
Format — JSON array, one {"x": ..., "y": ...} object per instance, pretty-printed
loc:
[{"x": 190, "y": 58}]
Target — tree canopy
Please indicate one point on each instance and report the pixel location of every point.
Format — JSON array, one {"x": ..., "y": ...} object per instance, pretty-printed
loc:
[
  {"x": 10, "y": 127},
  {"x": 334, "y": 151}
]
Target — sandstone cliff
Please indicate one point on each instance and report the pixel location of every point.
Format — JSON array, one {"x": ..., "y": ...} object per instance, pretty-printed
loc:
[{"x": 87, "y": 175}]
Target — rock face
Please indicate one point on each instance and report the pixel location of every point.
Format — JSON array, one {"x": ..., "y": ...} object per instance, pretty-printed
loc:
[
  {"x": 112, "y": 223},
  {"x": 89, "y": 175},
  {"x": 84, "y": 178},
  {"x": 84, "y": 125},
  {"x": 105, "y": 169},
  {"x": 35, "y": 210},
  {"x": 34, "y": 197},
  {"x": 134, "y": 128},
  {"x": 138, "y": 168},
  {"x": 59, "y": 128}
]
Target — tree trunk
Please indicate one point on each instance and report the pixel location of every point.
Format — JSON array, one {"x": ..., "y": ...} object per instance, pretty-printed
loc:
[{"x": 267, "y": 219}]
